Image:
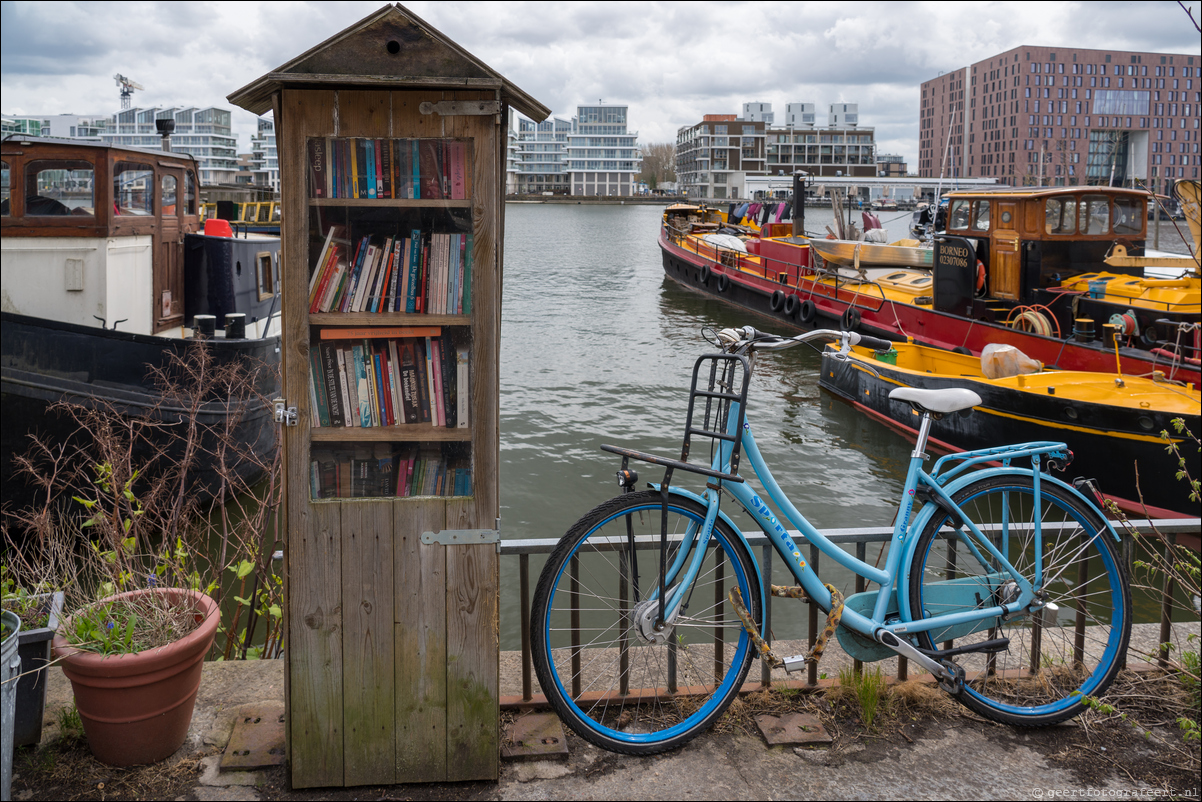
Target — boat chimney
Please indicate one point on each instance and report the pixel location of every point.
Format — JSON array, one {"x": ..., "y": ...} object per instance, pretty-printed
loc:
[
  {"x": 799, "y": 203},
  {"x": 165, "y": 127}
]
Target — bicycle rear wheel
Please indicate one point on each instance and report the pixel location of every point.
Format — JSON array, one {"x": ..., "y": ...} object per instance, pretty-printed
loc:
[
  {"x": 614, "y": 680},
  {"x": 1051, "y": 660}
]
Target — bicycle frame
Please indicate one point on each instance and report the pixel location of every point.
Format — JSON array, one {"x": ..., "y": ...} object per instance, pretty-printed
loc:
[{"x": 903, "y": 541}]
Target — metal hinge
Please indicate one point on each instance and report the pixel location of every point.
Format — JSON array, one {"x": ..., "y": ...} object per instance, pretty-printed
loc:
[
  {"x": 452, "y": 108},
  {"x": 462, "y": 537},
  {"x": 284, "y": 414}
]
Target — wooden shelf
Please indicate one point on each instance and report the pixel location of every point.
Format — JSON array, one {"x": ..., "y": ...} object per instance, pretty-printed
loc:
[
  {"x": 333, "y": 319},
  {"x": 417, "y": 433},
  {"x": 400, "y": 203}
]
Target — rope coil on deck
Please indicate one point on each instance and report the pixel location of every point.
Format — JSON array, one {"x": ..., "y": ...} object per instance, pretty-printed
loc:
[{"x": 766, "y": 654}]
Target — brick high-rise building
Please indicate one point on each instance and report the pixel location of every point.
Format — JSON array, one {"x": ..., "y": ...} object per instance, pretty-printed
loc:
[{"x": 1063, "y": 116}]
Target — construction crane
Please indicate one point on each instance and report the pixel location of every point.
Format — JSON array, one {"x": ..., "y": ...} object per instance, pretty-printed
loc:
[{"x": 127, "y": 88}]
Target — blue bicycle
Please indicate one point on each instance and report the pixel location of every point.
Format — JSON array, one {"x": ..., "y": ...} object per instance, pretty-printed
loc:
[{"x": 1001, "y": 581}]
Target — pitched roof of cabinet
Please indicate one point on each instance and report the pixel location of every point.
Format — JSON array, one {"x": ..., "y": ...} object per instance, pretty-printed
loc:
[{"x": 392, "y": 48}]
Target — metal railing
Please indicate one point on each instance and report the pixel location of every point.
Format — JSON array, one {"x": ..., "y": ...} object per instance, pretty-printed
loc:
[{"x": 857, "y": 539}]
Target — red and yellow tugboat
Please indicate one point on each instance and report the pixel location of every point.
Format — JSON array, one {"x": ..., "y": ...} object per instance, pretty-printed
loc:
[{"x": 1060, "y": 273}]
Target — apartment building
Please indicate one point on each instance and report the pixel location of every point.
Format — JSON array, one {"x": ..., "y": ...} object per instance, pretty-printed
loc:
[
  {"x": 715, "y": 156},
  {"x": 1035, "y": 116},
  {"x": 593, "y": 153}
]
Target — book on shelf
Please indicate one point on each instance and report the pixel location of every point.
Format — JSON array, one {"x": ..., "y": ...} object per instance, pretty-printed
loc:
[
  {"x": 386, "y": 168},
  {"x": 318, "y": 168},
  {"x": 422, "y": 273},
  {"x": 326, "y": 382},
  {"x": 462, "y": 388},
  {"x": 389, "y": 380},
  {"x": 381, "y": 470}
]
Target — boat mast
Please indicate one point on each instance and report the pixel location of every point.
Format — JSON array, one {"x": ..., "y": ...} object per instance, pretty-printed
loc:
[{"x": 947, "y": 151}]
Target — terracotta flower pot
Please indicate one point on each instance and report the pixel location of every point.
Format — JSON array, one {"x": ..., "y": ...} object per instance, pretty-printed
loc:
[{"x": 136, "y": 708}]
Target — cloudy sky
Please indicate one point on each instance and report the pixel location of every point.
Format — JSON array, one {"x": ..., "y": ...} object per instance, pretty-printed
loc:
[{"x": 670, "y": 62}]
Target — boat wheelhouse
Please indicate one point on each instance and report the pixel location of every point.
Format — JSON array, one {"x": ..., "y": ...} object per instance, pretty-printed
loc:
[{"x": 107, "y": 274}]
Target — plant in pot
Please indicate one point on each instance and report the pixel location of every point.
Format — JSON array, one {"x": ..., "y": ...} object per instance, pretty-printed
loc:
[
  {"x": 134, "y": 644},
  {"x": 10, "y": 663},
  {"x": 119, "y": 513},
  {"x": 39, "y": 609}
]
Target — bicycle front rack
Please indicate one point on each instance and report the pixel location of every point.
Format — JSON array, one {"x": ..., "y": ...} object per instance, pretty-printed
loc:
[
  {"x": 719, "y": 393},
  {"x": 720, "y": 378}
]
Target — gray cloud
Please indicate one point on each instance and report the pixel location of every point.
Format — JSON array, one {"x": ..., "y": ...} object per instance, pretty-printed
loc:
[{"x": 671, "y": 62}]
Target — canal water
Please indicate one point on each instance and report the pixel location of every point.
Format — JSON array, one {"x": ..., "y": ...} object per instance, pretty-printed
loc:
[{"x": 597, "y": 346}]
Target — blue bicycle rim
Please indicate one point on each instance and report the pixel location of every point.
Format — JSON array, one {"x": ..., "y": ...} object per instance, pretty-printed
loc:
[{"x": 719, "y": 694}]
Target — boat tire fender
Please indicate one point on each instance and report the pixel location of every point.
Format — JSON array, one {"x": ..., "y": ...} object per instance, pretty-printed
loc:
[
  {"x": 960, "y": 349},
  {"x": 705, "y": 274},
  {"x": 778, "y": 301},
  {"x": 807, "y": 312},
  {"x": 791, "y": 304},
  {"x": 851, "y": 319},
  {"x": 723, "y": 283}
]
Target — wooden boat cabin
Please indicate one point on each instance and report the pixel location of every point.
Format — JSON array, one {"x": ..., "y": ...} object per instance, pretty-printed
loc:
[
  {"x": 94, "y": 234},
  {"x": 1041, "y": 253}
]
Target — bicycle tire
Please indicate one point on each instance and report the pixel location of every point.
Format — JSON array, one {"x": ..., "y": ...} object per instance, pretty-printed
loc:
[
  {"x": 643, "y": 714},
  {"x": 1045, "y": 670}
]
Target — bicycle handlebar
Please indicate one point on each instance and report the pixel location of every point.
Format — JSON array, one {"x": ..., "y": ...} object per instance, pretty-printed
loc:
[{"x": 749, "y": 338}]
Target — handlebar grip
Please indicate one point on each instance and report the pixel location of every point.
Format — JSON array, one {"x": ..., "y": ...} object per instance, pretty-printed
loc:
[{"x": 875, "y": 343}]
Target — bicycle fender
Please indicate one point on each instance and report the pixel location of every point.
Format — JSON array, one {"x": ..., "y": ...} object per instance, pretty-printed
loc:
[
  {"x": 930, "y": 509},
  {"x": 676, "y": 491}
]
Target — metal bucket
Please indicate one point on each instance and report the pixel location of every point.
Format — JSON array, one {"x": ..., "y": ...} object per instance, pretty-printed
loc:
[{"x": 10, "y": 667}]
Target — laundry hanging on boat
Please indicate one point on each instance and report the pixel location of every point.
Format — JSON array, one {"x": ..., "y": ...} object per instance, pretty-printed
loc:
[{"x": 725, "y": 241}]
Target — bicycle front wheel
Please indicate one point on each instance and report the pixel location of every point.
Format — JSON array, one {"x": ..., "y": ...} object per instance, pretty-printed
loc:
[
  {"x": 1055, "y": 654},
  {"x": 612, "y": 677}
]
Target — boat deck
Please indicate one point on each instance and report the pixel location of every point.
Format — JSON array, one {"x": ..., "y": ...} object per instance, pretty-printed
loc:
[{"x": 1108, "y": 389}]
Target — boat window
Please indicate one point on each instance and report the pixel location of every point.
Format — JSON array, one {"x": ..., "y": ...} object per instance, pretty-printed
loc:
[
  {"x": 133, "y": 189},
  {"x": 265, "y": 274},
  {"x": 58, "y": 186},
  {"x": 189, "y": 192},
  {"x": 168, "y": 201},
  {"x": 4, "y": 192},
  {"x": 1094, "y": 215},
  {"x": 275, "y": 213},
  {"x": 1060, "y": 215},
  {"x": 959, "y": 214},
  {"x": 1128, "y": 216},
  {"x": 980, "y": 220}
]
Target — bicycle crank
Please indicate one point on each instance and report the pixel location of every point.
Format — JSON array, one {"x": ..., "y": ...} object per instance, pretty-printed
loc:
[{"x": 950, "y": 675}]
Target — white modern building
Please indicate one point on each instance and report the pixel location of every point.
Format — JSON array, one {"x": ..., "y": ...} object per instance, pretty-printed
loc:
[
  {"x": 758, "y": 112},
  {"x": 844, "y": 115},
  {"x": 591, "y": 154},
  {"x": 800, "y": 115},
  {"x": 205, "y": 134},
  {"x": 265, "y": 161}
]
